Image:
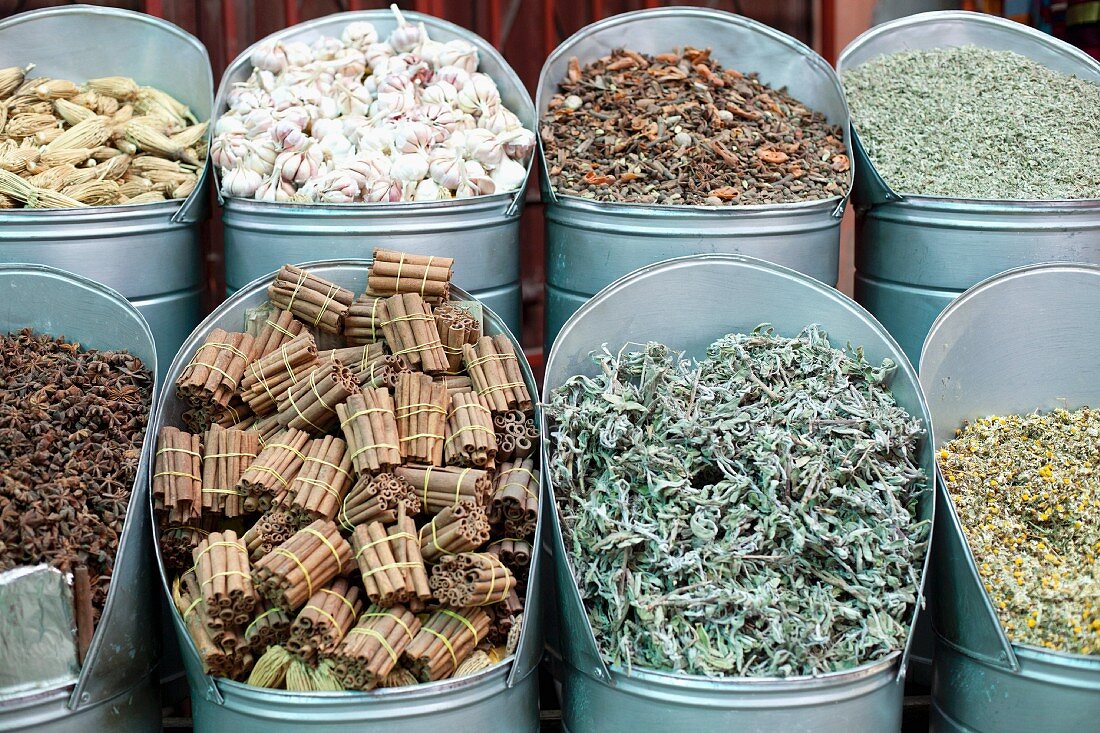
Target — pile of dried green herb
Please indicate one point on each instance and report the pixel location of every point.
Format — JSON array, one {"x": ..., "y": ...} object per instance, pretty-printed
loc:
[
  {"x": 975, "y": 123},
  {"x": 751, "y": 514},
  {"x": 1027, "y": 490}
]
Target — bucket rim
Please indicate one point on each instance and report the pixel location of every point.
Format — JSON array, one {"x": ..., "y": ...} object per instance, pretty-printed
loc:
[
  {"x": 376, "y": 208},
  {"x": 882, "y": 189},
  {"x": 905, "y": 371},
  {"x": 85, "y": 691},
  {"x": 48, "y": 216},
  {"x": 634, "y": 208},
  {"x": 512, "y": 668},
  {"x": 508, "y": 76},
  {"x": 1082, "y": 662},
  {"x": 543, "y": 88}
]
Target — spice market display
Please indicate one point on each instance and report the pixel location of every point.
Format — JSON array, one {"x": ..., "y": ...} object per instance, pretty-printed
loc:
[
  {"x": 977, "y": 123},
  {"x": 72, "y": 423},
  {"x": 356, "y": 119},
  {"x": 1027, "y": 492},
  {"x": 750, "y": 514},
  {"x": 678, "y": 129},
  {"x": 108, "y": 141},
  {"x": 359, "y": 516}
]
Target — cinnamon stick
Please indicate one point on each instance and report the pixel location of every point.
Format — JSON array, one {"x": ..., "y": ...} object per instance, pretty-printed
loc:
[
  {"x": 214, "y": 373},
  {"x": 291, "y": 573},
  {"x": 177, "y": 479},
  {"x": 439, "y": 488},
  {"x": 372, "y": 649},
  {"x": 363, "y": 323},
  {"x": 228, "y": 454},
  {"x": 311, "y": 404},
  {"x": 315, "y": 300},
  {"x": 267, "y": 379},
  {"x": 445, "y": 640},
  {"x": 400, "y": 272},
  {"x": 318, "y": 489},
  {"x": 370, "y": 427},
  {"x": 267, "y": 480}
]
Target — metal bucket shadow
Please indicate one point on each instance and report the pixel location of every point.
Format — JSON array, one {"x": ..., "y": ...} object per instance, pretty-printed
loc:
[
  {"x": 116, "y": 689},
  {"x": 480, "y": 233},
  {"x": 501, "y": 698},
  {"x": 915, "y": 254},
  {"x": 150, "y": 252},
  {"x": 1017, "y": 342},
  {"x": 589, "y": 244},
  {"x": 724, "y": 293}
]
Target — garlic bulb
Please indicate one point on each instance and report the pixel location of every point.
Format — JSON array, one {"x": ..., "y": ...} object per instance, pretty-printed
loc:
[
  {"x": 299, "y": 166},
  {"x": 241, "y": 182},
  {"x": 459, "y": 53},
  {"x": 357, "y": 118},
  {"x": 360, "y": 35}
]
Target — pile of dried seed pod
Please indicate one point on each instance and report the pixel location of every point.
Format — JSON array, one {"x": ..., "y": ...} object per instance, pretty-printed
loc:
[
  {"x": 71, "y": 428},
  {"x": 677, "y": 128},
  {"x": 108, "y": 141},
  {"x": 353, "y": 517}
]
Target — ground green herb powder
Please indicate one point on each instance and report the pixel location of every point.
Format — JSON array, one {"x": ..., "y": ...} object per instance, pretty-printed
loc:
[
  {"x": 974, "y": 123},
  {"x": 753, "y": 514}
]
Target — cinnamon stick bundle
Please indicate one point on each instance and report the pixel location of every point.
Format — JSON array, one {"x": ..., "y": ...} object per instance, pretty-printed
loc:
[
  {"x": 384, "y": 372},
  {"x": 494, "y": 369},
  {"x": 363, "y": 323},
  {"x": 225, "y": 634},
  {"x": 177, "y": 479},
  {"x": 460, "y": 528},
  {"x": 176, "y": 544},
  {"x": 192, "y": 610},
  {"x": 322, "y": 623},
  {"x": 383, "y": 575},
  {"x": 471, "y": 439},
  {"x": 445, "y": 640},
  {"x": 318, "y": 490},
  {"x": 378, "y": 498},
  {"x": 406, "y": 552},
  {"x": 310, "y": 404},
  {"x": 453, "y": 384},
  {"x": 267, "y": 379},
  {"x": 516, "y": 498},
  {"x": 266, "y": 428},
  {"x": 313, "y": 299},
  {"x": 223, "y": 573},
  {"x": 421, "y": 418},
  {"x": 439, "y": 488},
  {"x": 368, "y": 422},
  {"x": 471, "y": 579},
  {"x": 359, "y": 359},
  {"x": 228, "y": 455},
  {"x": 372, "y": 649},
  {"x": 398, "y": 272},
  {"x": 268, "y": 478},
  {"x": 291, "y": 573},
  {"x": 514, "y": 553},
  {"x": 277, "y": 330},
  {"x": 505, "y": 617},
  {"x": 271, "y": 530},
  {"x": 456, "y": 327},
  {"x": 411, "y": 333},
  {"x": 233, "y": 414},
  {"x": 270, "y": 626},
  {"x": 215, "y": 371}
]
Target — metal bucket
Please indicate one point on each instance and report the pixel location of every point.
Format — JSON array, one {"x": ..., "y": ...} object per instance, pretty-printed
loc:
[
  {"x": 688, "y": 303},
  {"x": 1020, "y": 341},
  {"x": 501, "y": 698},
  {"x": 481, "y": 233},
  {"x": 149, "y": 253},
  {"x": 116, "y": 689},
  {"x": 589, "y": 244},
  {"x": 915, "y": 254}
]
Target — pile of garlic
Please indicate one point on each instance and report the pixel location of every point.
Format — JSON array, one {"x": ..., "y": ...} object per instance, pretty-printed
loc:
[{"x": 352, "y": 119}]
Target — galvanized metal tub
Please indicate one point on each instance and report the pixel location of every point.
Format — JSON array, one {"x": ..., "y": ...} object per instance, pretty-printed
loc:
[
  {"x": 687, "y": 303},
  {"x": 501, "y": 698},
  {"x": 1023, "y": 340},
  {"x": 116, "y": 689},
  {"x": 481, "y": 233},
  {"x": 914, "y": 254},
  {"x": 589, "y": 244}
]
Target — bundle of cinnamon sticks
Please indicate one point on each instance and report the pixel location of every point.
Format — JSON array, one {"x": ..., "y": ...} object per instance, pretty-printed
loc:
[{"x": 394, "y": 466}]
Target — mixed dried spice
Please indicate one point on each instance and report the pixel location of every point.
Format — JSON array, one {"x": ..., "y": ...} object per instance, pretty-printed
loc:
[
  {"x": 751, "y": 514},
  {"x": 975, "y": 123},
  {"x": 1027, "y": 491},
  {"x": 72, "y": 423},
  {"x": 677, "y": 128},
  {"x": 352, "y": 517}
]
